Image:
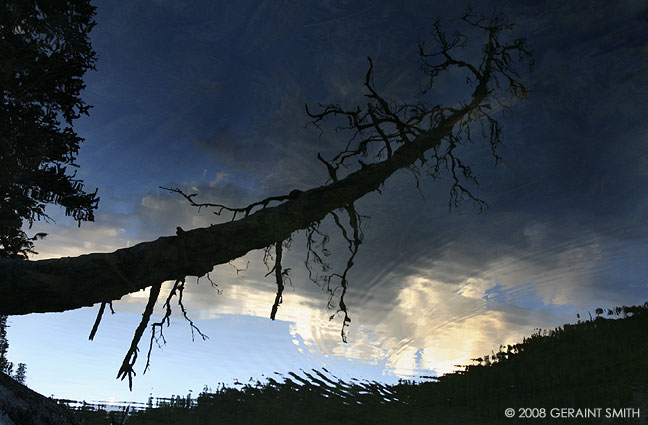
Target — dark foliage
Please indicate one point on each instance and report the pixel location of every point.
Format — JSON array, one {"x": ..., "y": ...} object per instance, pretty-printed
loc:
[
  {"x": 6, "y": 366},
  {"x": 45, "y": 51}
]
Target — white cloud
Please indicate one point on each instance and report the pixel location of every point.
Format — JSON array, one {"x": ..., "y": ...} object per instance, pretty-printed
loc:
[
  {"x": 218, "y": 178},
  {"x": 71, "y": 241}
]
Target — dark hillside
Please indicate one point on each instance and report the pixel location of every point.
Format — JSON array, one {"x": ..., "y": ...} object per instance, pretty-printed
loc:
[{"x": 598, "y": 363}]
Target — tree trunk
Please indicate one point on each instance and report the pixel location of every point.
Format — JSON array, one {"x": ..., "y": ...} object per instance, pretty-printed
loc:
[{"x": 72, "y": 282}]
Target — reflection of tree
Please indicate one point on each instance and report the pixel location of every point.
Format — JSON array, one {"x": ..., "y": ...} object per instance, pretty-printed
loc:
[{"x": 387, "y": 136}]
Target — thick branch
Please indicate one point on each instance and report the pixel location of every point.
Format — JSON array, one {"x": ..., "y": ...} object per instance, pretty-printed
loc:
[
  {"x": 68, "y": 283},
  {"x": 73, "y": 282}
]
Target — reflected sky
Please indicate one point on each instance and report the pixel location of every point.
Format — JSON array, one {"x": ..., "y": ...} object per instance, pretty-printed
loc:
[{"x": 209, "y": 98}]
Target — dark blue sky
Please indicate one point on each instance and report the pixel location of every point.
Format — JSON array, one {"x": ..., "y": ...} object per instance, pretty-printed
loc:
[{"x": 208, "y": 97}]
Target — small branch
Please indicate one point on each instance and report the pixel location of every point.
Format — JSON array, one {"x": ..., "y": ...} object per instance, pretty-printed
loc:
[
  {"x": 279, "y": 279},
  {"x": 166, "y": 319},
  {"x": 313, "y": 257},
  {"x": 332, "y": 170},
  {"x": 178, "y": 288},
  {"x": 184, "y": 313},
  {"x": 98, "y": 320},
  {"x": 237, "y": 269},
  {"x": 220, "y": 208},
  {"x": 354, "y": 244},
  {"x": 126, "y": 368},
  {"x": 214, "y": 285}
]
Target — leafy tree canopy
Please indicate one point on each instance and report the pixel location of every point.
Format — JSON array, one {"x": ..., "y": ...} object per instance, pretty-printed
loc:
[{"x": 45, "y": 52}]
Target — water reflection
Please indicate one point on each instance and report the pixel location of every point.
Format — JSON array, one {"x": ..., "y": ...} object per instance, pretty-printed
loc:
[
  {"x": 596, "y": 367},
  {"x": 429, "y": 290},
  {"x": 456, "y": 301}
]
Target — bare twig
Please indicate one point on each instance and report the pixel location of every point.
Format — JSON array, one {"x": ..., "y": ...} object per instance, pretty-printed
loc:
[
  {"x": 184, "y": 314},
  {"x": 126, "y": 368},
  {"x": 98, "y": 320},
  {"x": 220, "y": 208},
  {"x": 237, "y": 269},
  {"x": 178, "y": 288},
  {"x": 166, "y": 319},
  {"x": 279, "y": 278}
]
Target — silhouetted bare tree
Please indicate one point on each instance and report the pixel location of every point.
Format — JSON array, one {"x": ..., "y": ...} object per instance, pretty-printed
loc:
[{"x": 387, "y": 136}]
